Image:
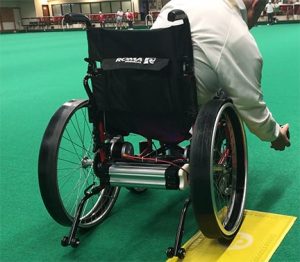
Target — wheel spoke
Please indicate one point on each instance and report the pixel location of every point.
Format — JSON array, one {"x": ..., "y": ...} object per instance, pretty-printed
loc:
[
  {"x": 77, "y": 130},
  {"x": 69, "y": 161}
]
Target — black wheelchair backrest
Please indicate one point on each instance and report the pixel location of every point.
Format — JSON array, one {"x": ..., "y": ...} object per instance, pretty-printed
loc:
[{"x": 145, "y": 82}]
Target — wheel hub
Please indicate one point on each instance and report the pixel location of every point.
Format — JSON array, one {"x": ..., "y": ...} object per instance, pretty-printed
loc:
[
  {"x": 223, "y": 180},
  {"x": 224, "y": 187},
  {"x": 86, "y": 162}
]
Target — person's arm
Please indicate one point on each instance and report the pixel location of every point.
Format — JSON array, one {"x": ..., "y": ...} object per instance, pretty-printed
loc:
[{"x": 239, "y": 71}]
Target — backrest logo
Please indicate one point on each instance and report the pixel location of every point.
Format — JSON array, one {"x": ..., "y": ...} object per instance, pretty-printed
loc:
[{"x": 136, "y": 60}]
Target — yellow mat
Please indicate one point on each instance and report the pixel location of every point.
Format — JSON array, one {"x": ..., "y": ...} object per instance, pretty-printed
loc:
[{"x": 257, "y": 240}]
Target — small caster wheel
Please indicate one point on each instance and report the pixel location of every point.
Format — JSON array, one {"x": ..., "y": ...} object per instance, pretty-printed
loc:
[
  {"x": 170, "y": 252},
  {"x": 74, "y": 242},
  {"x": 181, "y": 253},
  {"x": 137, "y": 190},
  {"x": 64, "y": 241}
]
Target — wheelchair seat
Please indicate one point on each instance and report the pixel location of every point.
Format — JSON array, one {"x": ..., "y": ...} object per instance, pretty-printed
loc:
[{"x": 145, "y": 83}]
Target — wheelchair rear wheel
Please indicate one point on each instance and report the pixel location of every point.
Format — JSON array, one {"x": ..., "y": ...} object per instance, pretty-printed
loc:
[
  {"x": 66, "y": 168},
  {"x": 218, "y": 169}
]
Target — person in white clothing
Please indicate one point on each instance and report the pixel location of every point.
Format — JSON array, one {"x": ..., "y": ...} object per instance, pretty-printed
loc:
[
  {"x": 227, "y": 57},
  {"x": 270, "y": 12},
  {"x": 119, "y": 19}
]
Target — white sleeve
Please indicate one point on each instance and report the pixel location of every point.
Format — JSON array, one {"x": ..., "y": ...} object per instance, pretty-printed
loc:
[{"x": 239, "y": 70}]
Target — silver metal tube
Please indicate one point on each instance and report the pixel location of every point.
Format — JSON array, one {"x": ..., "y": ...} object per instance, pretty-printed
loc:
[{"x": 131, "y": 175}]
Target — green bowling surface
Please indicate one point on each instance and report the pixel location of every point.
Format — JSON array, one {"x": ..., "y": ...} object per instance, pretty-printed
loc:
[{"x": 40, "y": 71}]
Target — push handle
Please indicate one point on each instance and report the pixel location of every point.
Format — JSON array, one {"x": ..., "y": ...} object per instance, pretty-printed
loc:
[
  {"x": 177, "y": 14},
  {"x": 77, "y": 18}
]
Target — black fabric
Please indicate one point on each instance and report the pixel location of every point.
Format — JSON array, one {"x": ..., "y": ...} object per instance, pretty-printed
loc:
[
  {"x": 142, "y": 87},
  {"x": 173, "y": 42},
  {"x": 134, "y": 91}
]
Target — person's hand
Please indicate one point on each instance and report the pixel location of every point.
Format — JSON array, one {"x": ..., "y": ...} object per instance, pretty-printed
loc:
[{"x": 282, "y": 140}]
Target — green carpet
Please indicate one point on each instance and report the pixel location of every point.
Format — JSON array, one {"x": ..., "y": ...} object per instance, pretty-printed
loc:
[{"x": 40, "y": 71}]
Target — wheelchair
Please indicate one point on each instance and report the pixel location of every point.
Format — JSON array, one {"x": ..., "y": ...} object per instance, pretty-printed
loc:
[{"x": 142, "y": 82}]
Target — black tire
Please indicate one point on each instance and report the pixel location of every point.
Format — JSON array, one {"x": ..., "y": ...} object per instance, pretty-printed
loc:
[
  {"x": 218, "y": 170},
  {"x": 65, "y": 168}
]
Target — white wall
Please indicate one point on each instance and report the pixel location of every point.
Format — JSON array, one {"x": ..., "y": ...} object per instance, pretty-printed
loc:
[{"x": 38, "y": 7}]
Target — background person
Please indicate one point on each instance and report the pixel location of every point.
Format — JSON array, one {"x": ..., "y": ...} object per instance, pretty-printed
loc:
[
  {"x": 129, "y": 19},
  {"x": 227, "y": 57},
  {"x": 119, "y": 19},
  {"x": 101, "y": 19},
  {"x": 270, "y": 12}
]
